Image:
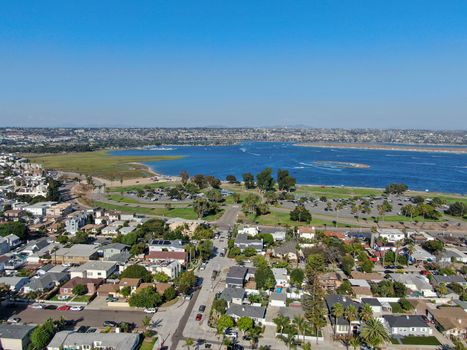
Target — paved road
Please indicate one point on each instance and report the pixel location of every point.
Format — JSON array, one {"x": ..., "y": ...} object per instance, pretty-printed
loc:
[
  {"x": 92, "y": 318},
  {"x": 229, "y": 218}
]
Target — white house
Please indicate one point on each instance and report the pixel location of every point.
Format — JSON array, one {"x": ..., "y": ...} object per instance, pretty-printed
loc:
[
  {"x": 94, "y": 269},
  {"x": 281, "y": 276},
  {"x": 171, "y": 268},
  {"x": 14, "y": 283},
  {"x": 278, "y": 299},
  {"x": 305, "y": 232},
  {"x": 391, "y": 234},
  {"x": 278, "y": 236},
  {"x": 250, "y": 231}
]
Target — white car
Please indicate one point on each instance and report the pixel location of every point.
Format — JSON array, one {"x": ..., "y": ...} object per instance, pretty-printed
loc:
[
  {"x": 14, "y": 320},
  {"x": 76, "y": 308},
  {"x": 37, "y": 306},
  {"x": 151, "y": 310}
]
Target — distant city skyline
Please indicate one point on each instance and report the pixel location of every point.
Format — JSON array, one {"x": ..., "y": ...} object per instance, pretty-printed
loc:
[{"x": 365, "y": 64}]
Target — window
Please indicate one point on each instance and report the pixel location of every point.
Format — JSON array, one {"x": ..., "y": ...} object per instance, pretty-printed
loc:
[{"x": 412, "y": 329}]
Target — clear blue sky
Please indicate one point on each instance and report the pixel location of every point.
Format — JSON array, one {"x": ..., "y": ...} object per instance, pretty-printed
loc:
[{"x": 361, "y": 63}]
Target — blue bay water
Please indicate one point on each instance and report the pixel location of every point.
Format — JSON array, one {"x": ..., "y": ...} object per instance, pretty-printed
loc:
[{"x": 437, "y": 172}]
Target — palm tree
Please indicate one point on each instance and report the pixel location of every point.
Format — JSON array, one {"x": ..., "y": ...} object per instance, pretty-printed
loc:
[
  {"x": 188, "y": 343},
  {"x": 301, "y": 324},
  {"x": 281, "y": 322},
  {"x": 354, "y": 343},
  {"x": 366, "y": 312},
  {"x": 254, "y": 334},
  {"x": 289, "y": 338},
  {"x": 398, "y": 245},
  {"x": 374, "y": 333},
  {"x": 350, "y": 314},
  {"x": 337, "y": 311}
]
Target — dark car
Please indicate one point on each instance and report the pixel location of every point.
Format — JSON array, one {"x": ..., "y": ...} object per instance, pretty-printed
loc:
[
  {"x": 198, "y": 317},
  {"x": 202, "y": 308},
  {"x": 50, "y": 307},
  {"x": 82, "y": 329},
  {"x": 110, "y": 324}
]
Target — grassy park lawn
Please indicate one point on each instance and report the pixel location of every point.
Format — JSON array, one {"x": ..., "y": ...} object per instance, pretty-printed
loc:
[
  {"x": 122, "y": 199},
  {"x": 143, "y": 187},
  {"x": 397, "y": 218},
  {"x": 414, "y": 340},
  {"x": 336, "y": 192},
  {"x": 275, "y": 218},
  {"x": 184, "y": 213},
  {"x": 99, "y": 163}
]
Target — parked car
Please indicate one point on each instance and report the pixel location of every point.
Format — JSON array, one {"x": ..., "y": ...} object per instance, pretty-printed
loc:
[
  {"x": 198, "y": 317},
  {"x": 77, "y": 308},
  {"x": 82, "y": 329},
  {"x": 91, "y": 330},
  {"x": 202, "y": 308},
  {"x": 50, "y": 307},
  {"x": 63, "y": 308},
  {"x": 188, "y": 297},
  {"x": 151, "y": 310},
  {"x": 111, "y": 299},
  {"x": 110, "y": 324},
  {"x": 36, "y": 306},
  {"x": 14, "y": 320}
]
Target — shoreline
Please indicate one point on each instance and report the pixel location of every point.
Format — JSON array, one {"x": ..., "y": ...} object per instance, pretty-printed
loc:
[{"x": 381, "y": 147}]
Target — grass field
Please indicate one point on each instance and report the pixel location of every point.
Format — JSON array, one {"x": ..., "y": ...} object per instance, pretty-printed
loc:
[
  {"x": 184, "y": 213},
  {"x": 336, "y": 192},
  {"x": 142, "y": 187},
  {"x": 275, "y": 218},
  {"x": 397, "y": 218},
  {"x": 99, "y": 163},
  {"x": 414, "y": 340}
]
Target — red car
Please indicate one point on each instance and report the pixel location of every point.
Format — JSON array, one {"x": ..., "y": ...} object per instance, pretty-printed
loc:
[
  {"x": 198, "y": 317},
  {"x": 63, "y": 308}
]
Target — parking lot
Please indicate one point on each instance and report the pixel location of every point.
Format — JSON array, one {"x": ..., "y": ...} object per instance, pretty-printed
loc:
[{"x": 92, "y": 318}]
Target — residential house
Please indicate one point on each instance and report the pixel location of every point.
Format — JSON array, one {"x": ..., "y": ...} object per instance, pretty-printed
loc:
[
  {"x": 281, "y": 276},
  {"x": 250, "y": 231},
  {"x": 75, "y": 221},
  {"x": 106, "y": 289},
  {"x": 278, "y": 299},
  {"x": 392, "y": 235},
  {"x": 91, "y": 284},
  {"x": 4, "y": 246},
  {"x": 451, "y": 254},
  {"x": 46, "y": 282},
  {"x": 416, "y": 283},
  {"x": 36, "y": 245},
  {"x": 243, "y": 242},
  {"x": 330, "y": 280},
  {"x": 233, "y": 295},
  {"x": 94, "y": 269},
  {"x": 257, "y": 313},
  {"x": 132, "y": 283},
  {"x": 15, "y": 336},
  {"x": 278, "y": 236},
  {"x": 113, "y": 249},
  {"x": 13, "y": 240},
  {"x": 376, "y": 306},
  {"x": 181, "y": 257},
  {"x": 287, "y": 251},
  {"x": 85, "y": 341},
  {"x": 451, "y": 321},
  {"x": 160, "y": 245},
  {"x": 440, "y": 279},
  {"x": 238, "y": 275},
  {"x": 76, "y": 254},
  {"x": 421, "y": 255},
  {"x": 375, "y": 277},
  {"x": 341, "y": 325},
  {"x": 38, "y": 209},
  {"x": 59, "y": 210},
  {"x": 407, "y": 325},
  {"x": 305, "y": 232},
  {"x": 171, "y": 268},
  {"x": 15, "y": 284}
]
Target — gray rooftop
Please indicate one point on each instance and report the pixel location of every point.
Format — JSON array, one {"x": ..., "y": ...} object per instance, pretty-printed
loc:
[
  {"x": 15, "y": 331},
  {"x": 246, "y": 310},
  {"x": 232, "y": 293},
  {"x": 405, "y": 321},
  {"x": 116, "y": 341}
]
